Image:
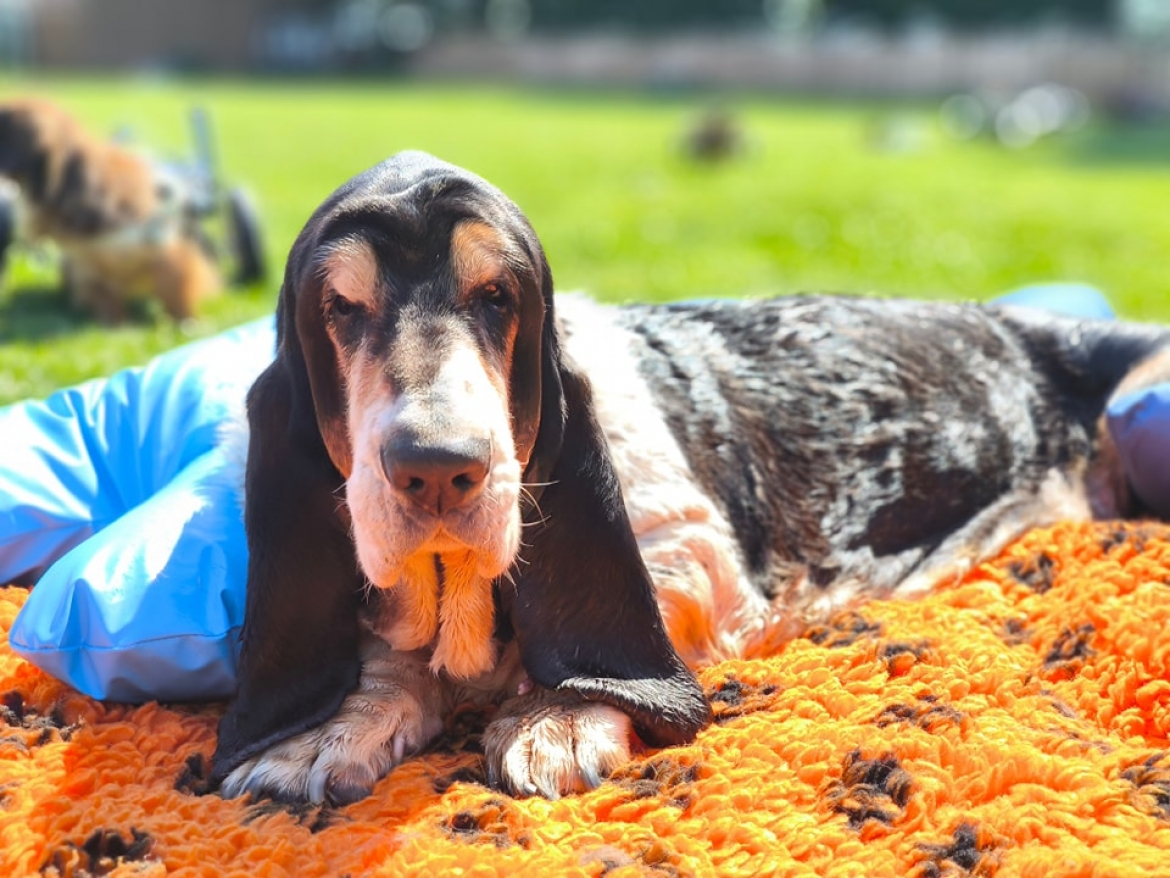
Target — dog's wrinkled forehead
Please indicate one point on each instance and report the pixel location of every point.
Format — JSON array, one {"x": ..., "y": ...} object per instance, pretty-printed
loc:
[{"x": 420, "y": 218}]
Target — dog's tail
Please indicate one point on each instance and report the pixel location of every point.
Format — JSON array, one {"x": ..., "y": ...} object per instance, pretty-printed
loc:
[
  {"x": 1091, "y": 364},
  {"x": 1088, "y": 361}
]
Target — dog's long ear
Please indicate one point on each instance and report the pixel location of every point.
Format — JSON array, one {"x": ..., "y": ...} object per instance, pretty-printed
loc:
[
  {"x": 537, "y": 401},
  {"x": 319, "y": 359},
  {"x": 300, "y": 640},
  {"x": 584, "y": 611}
]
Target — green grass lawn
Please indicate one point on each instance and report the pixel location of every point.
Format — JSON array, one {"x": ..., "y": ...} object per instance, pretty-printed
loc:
[{"x": 813, "y": 205}]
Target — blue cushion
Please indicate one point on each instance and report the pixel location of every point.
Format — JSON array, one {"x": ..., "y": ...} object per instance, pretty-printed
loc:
[
  {"x": 1074, "y": 300},
  {"x": 151, "y": 606},
  {"x": 117, "y": 497},
  {"x": 1139, "y": 423}
]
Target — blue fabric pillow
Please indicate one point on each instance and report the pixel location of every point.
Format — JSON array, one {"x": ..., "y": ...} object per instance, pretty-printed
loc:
[
  {"x": 1139, "y": 423},
  {"x": 1073, "y": 300},
  {"x": 118, "y": 498},
  {"x": 151, "y": 606}
]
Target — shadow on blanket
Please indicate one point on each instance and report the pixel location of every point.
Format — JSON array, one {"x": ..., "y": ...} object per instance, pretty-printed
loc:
[{"x": 1013, "y": 722}]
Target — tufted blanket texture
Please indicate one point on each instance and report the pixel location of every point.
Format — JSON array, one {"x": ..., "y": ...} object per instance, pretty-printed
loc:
[{"x": 1012, "y": 723}]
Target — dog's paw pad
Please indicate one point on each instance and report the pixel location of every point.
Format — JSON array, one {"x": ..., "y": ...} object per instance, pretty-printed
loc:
[
  {"x": 340, "y": 761},
  {"x": 280, "y": 772},
  {"x": 554, "y": 747}
]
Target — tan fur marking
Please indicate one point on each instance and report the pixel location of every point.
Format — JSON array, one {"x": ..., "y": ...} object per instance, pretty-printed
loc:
[
  {"x": 351, "y": 270},
  {"x": 478, "y": 254},
  {"x": 416, "y": 604},
  {"x": 460, "y": 613},
  {"x": 1150, "y": 371},
  {"x": 497, "y": 377},
  {"x": 466, "y": 619},
  {"x": 364, "y": 386}
]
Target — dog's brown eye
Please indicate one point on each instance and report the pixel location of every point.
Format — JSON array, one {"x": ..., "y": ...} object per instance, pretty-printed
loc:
[
  {"x": 340, "y": 307},
  {"x": 496, "y": 295}
]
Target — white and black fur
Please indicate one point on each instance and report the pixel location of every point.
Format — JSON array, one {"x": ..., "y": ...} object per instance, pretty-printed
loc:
[{"x": 690, "y": 482}]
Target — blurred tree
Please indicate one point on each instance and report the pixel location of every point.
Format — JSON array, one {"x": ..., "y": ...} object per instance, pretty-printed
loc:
[
  {"x": 644, "y": 15},
  {"x": 653, "y": 15},
  {"x": 978, "y": 13}
]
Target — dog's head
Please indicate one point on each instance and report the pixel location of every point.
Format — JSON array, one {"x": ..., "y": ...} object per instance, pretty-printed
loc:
[
  {"x": 419, "y": 401},
  {"x": 422, "y": 304}
]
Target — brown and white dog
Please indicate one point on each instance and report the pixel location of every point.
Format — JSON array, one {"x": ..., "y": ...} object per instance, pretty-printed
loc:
[
  {"x": 118, "y": 223},
  {"x": 457, "y": 491}
]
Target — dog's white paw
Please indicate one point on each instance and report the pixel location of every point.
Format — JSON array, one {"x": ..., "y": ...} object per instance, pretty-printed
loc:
[
  {"x": 340, "y": 761},
  {"x": 554, "y": 743}
]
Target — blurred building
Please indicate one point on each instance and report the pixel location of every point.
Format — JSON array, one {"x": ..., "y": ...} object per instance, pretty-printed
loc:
[
  {"x": 119, "y": 34},
  {"x": 1102, "y": 47}
]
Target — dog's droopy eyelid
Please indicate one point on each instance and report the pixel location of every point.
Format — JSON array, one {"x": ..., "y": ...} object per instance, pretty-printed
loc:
[
  {"x": 339, "y": 307},
  {"x": 495, "y": 293}
]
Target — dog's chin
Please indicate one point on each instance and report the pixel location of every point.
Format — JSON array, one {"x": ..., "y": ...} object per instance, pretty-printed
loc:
[{"x": 385, "y": 549}]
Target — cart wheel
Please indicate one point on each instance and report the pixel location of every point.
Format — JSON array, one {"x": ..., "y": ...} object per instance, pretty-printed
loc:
[{"x": 244, "y": 236}]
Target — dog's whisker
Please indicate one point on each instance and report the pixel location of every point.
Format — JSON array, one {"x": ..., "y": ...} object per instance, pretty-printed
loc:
[{"x": 526, "y": 492}]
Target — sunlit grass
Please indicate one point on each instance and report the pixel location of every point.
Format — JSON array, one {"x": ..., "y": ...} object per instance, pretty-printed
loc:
[{"x": 813, "y": 204}]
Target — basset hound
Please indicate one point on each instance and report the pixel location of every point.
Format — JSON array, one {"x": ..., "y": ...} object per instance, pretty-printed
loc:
[
  {"x": 117, "y": 222},
  {"x": 459, "y": 490}
]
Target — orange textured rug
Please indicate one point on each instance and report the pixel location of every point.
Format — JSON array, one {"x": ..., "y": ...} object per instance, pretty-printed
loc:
[{"x": 1014, "y": 723}]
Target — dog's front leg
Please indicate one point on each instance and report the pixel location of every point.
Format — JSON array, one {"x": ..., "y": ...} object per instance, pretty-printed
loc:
[{"x": 394, "y": 712}]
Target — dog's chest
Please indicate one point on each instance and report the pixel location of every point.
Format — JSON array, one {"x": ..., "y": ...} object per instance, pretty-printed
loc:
[{"x": 501, "y": 675}]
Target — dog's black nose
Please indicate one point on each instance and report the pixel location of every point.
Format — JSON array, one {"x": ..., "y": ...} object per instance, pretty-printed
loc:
[{"x": 436, "y": 475}]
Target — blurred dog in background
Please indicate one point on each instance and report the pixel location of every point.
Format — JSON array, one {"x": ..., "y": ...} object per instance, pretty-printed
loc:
[{"x": 117, "y": 220}]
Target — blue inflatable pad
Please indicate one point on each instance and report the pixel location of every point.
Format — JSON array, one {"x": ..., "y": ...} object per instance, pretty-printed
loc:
[
  {"x": 1139, "y": 423},
  {"x": 1073, "y": 300},
  {"x": 119, "y": 500}
]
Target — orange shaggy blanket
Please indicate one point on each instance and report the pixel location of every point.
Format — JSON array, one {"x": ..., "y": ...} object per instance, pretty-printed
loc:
[{"x": 1013, "y": 723}]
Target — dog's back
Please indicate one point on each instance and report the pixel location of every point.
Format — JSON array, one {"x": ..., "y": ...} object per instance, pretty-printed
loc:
[{"x": 857, "y": 446}]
